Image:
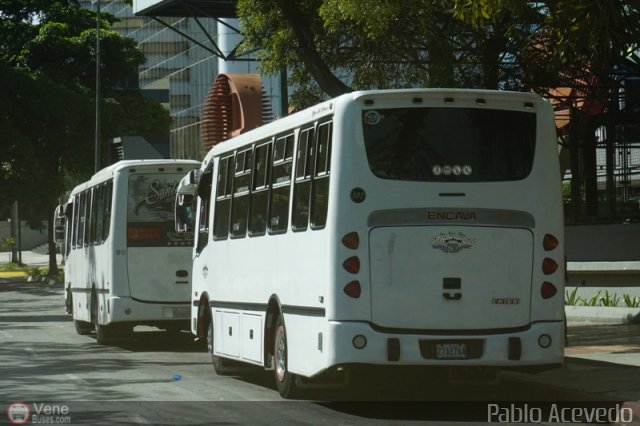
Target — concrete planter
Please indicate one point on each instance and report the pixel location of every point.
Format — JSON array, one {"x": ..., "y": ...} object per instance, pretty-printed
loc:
[{"x": 602, "y": 314}]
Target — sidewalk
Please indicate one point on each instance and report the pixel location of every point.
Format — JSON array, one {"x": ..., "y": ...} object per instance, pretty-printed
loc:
[
  {"x": 602, "y": 362},
  {"x": 29, "y": 258}
]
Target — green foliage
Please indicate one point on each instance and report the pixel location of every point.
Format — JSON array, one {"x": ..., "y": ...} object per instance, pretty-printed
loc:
[
  {"x": 631, "y": 302},
  {"x": 7, "y": 242},
  {"x": 572, "y": 298},
  {"x": 609, "y": 300},
  {"x": 47, "y": 109},
  {"x": 341, "y": 45},
  {"x": 593, "y": 301}
]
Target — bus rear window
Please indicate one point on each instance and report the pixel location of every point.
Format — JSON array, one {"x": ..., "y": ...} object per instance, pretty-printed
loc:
[
  {"x": 150, "y": 211},
  {"x": 449, "y": 144}
]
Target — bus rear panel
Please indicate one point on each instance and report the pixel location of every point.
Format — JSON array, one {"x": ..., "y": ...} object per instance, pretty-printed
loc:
[{"x": 461, "y": 261}]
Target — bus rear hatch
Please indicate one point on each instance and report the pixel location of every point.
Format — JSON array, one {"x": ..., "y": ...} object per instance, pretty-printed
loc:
[{"x": 450, "y": 277}]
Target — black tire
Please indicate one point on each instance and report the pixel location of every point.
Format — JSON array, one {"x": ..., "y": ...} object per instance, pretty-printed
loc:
[
  {"x": 83, "y": 328},
  {"x": 285, "y": 380},
  {"x": 220, "y": 365},
  {"x": 103, "y": 333},
  {"x": 68, "y": 305}
]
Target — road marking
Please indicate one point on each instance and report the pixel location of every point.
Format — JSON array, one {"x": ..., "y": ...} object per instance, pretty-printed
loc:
[
  {"x": 140, "y": 420},
  {"x": 77, "y": 379}
]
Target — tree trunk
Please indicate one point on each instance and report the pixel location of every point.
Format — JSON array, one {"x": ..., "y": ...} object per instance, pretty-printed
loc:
[{"x": 53, "y": 264}]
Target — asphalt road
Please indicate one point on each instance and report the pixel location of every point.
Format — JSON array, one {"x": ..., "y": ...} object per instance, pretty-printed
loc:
[{"x": 164, "y": 379}]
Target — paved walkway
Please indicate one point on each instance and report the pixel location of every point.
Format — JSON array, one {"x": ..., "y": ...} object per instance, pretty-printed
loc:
[{"x": 29, "y": 258}]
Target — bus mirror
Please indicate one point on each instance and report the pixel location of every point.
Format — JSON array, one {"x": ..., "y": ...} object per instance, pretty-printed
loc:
[
  {"x": 184, "y": 213},
  {"x": 58, "y": 234}
]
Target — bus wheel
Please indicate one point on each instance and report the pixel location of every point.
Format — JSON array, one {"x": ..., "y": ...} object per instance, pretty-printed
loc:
[
  {"x": 285, "y": 381},
  {"x": 219, "y": 363},
  {"x": 82, "y": 327},
  {"x": 68, "y": 305},
  {"x": 103, "y": 332}
]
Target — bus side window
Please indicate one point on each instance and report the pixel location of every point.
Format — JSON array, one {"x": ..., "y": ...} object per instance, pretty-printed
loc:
[
  {"x": 106, "y": 220},
  {"x": 87, "y": 217},
  {"x": 204, "y": 193},
  {"x": 240, "y": 198},
  {"x": 320, "y": 190},
  {"x": 68, "y": 241},
  {"x": 223, "y": 198},
  {"x": 302, "y": 185},
  {"x": 95, "y": 196},
  {"x": 82, "y": 218},
  {"x": 280, "y": 184},
  {"x": 76, "y": 220},
  {"x": 99, "y": 215},
  {"x": 258, "y": 207}
]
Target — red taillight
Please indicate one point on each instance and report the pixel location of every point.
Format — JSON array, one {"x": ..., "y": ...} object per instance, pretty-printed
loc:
[
  {"x": 549, "y": 242},
  {"x": 548, "y": 290},
  {"x": 352, "y": 265},
  {"x": 549, "y": 266},
  {"x": 353, "y": 289},
  {"x": 351, "y": 240}
]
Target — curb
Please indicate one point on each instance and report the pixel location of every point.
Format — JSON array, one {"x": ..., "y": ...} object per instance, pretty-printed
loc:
[{"x": 13, "y": 274}]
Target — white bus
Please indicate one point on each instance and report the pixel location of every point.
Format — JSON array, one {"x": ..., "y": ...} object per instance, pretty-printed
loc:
[
  {"x": 403, "y": 227},
  {"x": 124, "y": 264}
]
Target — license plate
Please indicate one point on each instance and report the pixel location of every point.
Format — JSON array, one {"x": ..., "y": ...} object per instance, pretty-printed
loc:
[
  {"x": 176, "y": 313},
  {"x": 181, "y": 312},
  {"x": 451, "y": 351}
]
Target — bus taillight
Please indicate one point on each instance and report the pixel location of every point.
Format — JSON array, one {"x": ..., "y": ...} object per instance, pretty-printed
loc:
[
  {"x": 352, "y": 265},
  {"x": 549, "y": 242},
  {"x": 549, "y": 266},
  {"x": 353, "y": 289},
  {"x": 351, "y": 240},
  {"x": 548, "y": 290}
]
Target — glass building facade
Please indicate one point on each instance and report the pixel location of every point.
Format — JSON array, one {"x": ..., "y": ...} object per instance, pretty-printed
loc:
[{"x": 178, "y": 72}]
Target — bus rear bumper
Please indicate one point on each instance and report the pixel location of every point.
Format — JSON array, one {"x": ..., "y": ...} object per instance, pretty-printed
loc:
[
  {"x": 136, "y": 312},
  {"x": 539, "y": 344}
]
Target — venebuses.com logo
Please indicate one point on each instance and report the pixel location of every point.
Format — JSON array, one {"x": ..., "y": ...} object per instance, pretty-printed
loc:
[{"x": 20, "y": 413}]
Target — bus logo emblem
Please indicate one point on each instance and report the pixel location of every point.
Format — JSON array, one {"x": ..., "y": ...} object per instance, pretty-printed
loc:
[{"x": 452, "y": 242}]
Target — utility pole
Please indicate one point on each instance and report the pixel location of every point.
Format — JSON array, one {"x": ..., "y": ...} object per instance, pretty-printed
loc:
[
  {"x": 15, "y": 236},
  {"x": 97, "y": 141}
]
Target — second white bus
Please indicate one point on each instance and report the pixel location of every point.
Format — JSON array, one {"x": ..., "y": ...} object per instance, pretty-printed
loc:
[
  {"x": 402, "y": 227},
  {"x": 124, "y": 264}
]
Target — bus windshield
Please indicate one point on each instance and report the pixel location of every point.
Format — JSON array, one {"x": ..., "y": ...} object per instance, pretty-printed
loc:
[
  {"x": 150, "y": 215},
  {"x": 447, "y": 144}
]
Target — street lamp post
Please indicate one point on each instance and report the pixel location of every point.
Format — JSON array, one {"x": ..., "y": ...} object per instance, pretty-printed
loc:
[{"x": 97, "y": 141}]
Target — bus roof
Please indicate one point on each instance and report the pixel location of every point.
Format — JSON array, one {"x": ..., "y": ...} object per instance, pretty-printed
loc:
[
  {"x": 109, "y": 171},
  {"x": 326, "y": 108}
]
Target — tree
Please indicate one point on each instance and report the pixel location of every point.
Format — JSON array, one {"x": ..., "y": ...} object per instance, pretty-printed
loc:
[
  {"x": 47, "y": 77},
  {"x": 333, "y": 46}
]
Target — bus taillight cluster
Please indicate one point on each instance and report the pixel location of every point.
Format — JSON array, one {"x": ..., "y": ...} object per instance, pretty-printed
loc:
[
  {"x": 549, "y": 266},
  {"x": 352, "y": 264}
]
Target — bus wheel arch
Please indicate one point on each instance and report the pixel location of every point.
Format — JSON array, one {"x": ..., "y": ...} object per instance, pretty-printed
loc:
[
  {"x": 222, "y": 366},
  {"x": 103, "y": 333},
  {"x": 274, "y": 311},
  {"x": 204, "y": 313}
]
